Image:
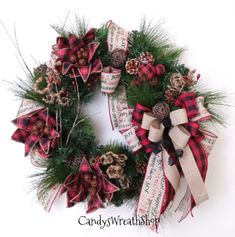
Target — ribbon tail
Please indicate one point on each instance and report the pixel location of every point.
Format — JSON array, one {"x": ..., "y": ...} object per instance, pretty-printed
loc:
[
  {"x": 92, "y": 47},
  {"x": 94, "y": 203},
  {"x": 84, "y": 72},
  {"x": 185, "y": 206},
  {"x": 153, "y": 190},
  {"x": 193, "y": 176},
  {"x": 171, "y": 171},
  {"x": 49, "y": 197}
]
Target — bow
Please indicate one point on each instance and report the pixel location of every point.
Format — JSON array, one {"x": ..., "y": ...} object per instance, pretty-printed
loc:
[
  {"x": 89, "y": 183},
  {"x": 75, "y": 55},
  {"x": 179, "y": 142},
  {"x": 36, "y": 129}
]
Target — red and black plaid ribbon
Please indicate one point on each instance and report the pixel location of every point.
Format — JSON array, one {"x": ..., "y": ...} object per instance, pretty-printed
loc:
[
  {"x": 24, "y": 133},
  {"x": 142, "y": 134},
  {"x": 77, "y": 187},
  {"x": 187, "y": 100},
  {"x": 66, "y": 47},
  {"x": 146, "y": 72}
]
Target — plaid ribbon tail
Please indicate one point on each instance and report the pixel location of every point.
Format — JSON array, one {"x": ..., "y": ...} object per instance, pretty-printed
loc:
[
  {"x": 85, "y": 72},
  {"x": 94, "y": 203},
  {"x": 201, "y": 160},
  {"x": 92, "y": 47},
  {"x": 188, "y": 101},
  {"x": 30, "y": 143},
  {"x": 63, "y": 54},
  {"x": 66, "y": 67},
  {"x": 84, "y": 166},
  {"x": 89, "y": 36},
  {"x": 142, "y": 134},
  {"x": 97, "y": 66},
  {"x": 20, "y": 135}
]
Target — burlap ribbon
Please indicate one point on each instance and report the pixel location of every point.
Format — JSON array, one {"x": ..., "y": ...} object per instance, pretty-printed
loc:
[{"x": 180, "y": 138}]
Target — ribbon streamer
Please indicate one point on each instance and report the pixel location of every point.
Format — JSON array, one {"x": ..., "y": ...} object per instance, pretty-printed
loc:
[
  {"x": 117, "y": 37},
  {"x": 110, "y": 78}
]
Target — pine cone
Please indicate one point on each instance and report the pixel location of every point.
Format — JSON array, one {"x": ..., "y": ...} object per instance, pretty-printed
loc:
[
  {"x": 118, "y": 57},
  {"x": 40, "y": 70},
  {"x": 74, "y": 161},
  {"x": 141, "y": 167},
  {"x": 146, "y": 57},
  {"x": 132, "y": 66}
]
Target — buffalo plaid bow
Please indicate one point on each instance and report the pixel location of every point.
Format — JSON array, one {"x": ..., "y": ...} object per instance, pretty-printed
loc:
[
  {"x": 26, "y": 134},
  {"x": 77, "y": 187},
  {"x": 142, "y": 134},
  {"x": 186, "y": 100},
  {"x": 66, "y": 47}
]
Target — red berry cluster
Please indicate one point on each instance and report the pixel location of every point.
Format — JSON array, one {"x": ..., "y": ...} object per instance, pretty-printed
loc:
[{"x": 80, "y": 57}]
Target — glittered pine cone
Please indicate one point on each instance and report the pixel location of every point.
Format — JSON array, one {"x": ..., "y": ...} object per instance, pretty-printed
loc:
[
  {"x": 118, "y": 58},
  {"x": 170, "y": 95},
  {"x": 161, "y": 110},
  {"x": 121, "y": 158},
  {"x": 146, "y": 57},
  {"x": 107, "y": 158},
  {"x": 132, "y": 66},
  {"x": 124, "y": 182},
  {"x": 115, "y": 171},
  {"x": 177, "y": 82},
  {"x": 39, "y": 83},
  {"x": 50, "y": 98}
]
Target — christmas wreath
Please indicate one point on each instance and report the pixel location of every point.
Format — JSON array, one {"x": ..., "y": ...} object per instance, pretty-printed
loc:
[{"x": 157, "y": 103}]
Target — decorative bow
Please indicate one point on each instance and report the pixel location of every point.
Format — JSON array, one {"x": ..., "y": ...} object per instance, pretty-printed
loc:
[
  {"x": 68, "y": 52},
  {"x": 180, "y": 142},
  {"x": 36, "y": 129},
  {"x": 89, "y": 183}
]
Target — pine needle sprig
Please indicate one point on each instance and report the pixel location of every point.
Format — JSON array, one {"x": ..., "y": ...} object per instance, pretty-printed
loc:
[{"x": 155, "y": 40}]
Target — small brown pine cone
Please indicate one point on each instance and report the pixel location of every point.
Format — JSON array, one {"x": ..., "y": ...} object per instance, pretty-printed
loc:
[
  {"x": 146, "y": 57},
  {"x": 40, "y": 70},
  {"x": 141, "y": 167},
  {"x": 153, "y": 81},
  {"x": 132, "y": 66}
]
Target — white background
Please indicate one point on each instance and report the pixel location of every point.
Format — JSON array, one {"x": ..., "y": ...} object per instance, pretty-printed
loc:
[{"x": 205, "y": 28}]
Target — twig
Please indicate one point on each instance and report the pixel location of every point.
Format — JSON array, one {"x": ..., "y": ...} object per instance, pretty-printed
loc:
[
  {"x": 77, "y": 113},
  {"x": 60, "y": 117},
  {"x": 16, "y": 45}
]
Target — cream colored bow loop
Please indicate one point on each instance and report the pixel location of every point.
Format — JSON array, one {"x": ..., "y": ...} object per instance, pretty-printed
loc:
[{"x": 180, "y": 138}]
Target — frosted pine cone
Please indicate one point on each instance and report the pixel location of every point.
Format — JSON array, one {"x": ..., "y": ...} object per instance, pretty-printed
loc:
[
  {"x": 146, "y": 57},
  {"x": 132, "y": 66}
]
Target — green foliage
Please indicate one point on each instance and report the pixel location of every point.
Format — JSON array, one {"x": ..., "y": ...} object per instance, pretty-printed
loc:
[
  {"x": 155, "y": 40},
  {"x": 102, "y": 53},
  {"x": 215, "y": 102}
]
